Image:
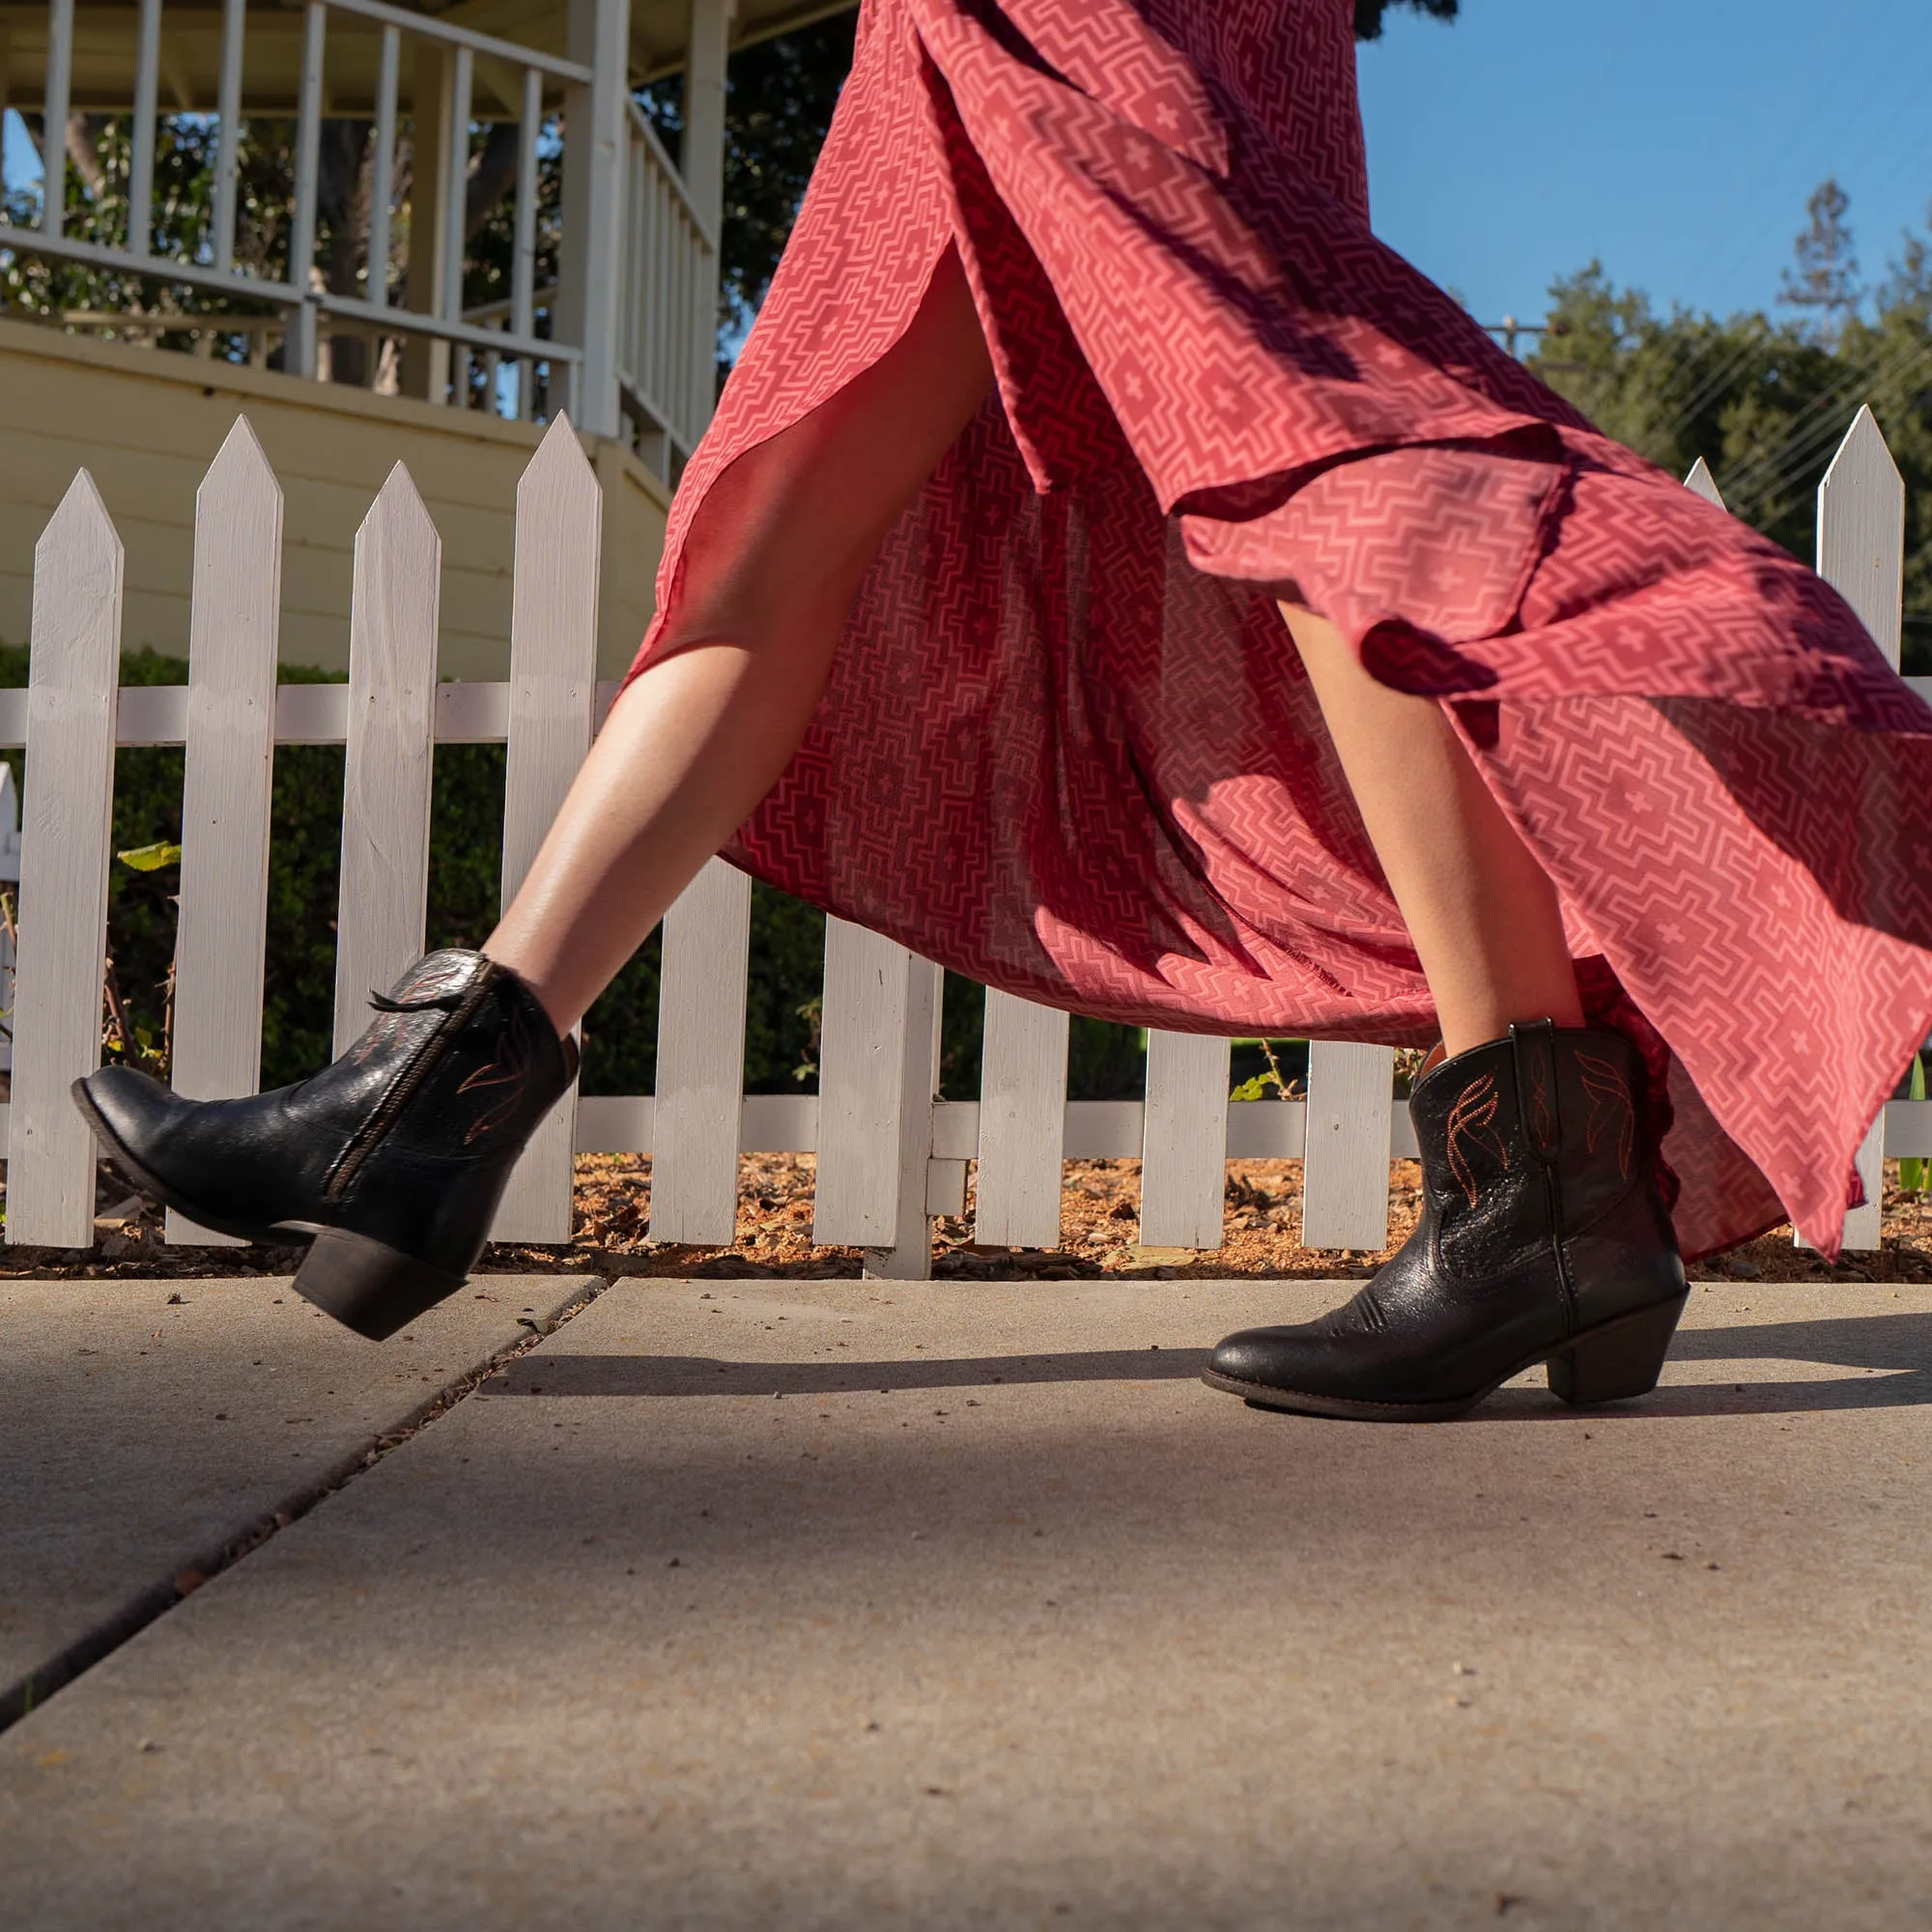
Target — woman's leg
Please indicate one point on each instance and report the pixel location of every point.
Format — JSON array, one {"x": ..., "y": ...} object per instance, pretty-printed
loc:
[
  {"x": 396, "y": 1158},
  {"x": 1481, "y": 910},
  {"x": 701, "y": 736},
  {"x": 1542, "y": 1236}
]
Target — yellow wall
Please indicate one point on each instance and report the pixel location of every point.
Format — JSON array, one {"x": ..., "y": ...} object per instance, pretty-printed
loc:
[{"x": 146, "y": 422}]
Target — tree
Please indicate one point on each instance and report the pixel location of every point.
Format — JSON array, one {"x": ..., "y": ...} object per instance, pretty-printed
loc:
[
  {"x": 1368, "y": 13},
  {"x": 1764, "y": 402},
  {"x": 1824, "y": 281}
]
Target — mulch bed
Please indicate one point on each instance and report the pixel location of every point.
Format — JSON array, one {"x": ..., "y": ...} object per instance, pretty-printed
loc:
[{"x": 1100, "y": 1205}]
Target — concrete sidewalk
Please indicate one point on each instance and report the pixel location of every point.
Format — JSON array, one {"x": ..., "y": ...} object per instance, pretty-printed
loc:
[
  {"x": 146, "y": 1425},
  {"x": 754, "y": 1604}
]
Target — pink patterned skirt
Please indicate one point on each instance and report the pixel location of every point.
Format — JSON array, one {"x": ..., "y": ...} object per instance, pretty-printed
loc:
[{"x": 1068, "y": 747}]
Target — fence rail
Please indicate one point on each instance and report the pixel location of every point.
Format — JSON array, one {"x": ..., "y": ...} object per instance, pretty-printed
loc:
[{"x": 888, "y": 1155}]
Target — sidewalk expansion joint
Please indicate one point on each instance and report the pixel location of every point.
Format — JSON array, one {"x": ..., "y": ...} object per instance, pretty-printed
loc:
[{"x": 26, "y": 1695}]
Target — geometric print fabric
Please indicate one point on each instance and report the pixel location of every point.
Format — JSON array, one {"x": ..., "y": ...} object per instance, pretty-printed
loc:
[{"x": 1067, "y": 748}]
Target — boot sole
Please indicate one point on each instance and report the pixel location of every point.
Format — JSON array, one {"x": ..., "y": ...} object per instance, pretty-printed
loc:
[
  {"x": 1616, "y": 1361},
  {"x": 363, "y": 1284}
]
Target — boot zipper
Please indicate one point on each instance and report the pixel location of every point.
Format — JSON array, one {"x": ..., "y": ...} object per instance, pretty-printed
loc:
[
  {"x": 1554, "y": 1188},
  {"x": 388, "y": 1109}
]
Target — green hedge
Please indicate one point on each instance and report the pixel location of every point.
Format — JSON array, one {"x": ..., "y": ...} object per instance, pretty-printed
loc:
[{"x": 466, "y": 841}]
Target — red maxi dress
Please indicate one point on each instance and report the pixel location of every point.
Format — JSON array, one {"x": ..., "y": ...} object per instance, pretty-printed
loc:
[{"x": 1069, "y": 749}]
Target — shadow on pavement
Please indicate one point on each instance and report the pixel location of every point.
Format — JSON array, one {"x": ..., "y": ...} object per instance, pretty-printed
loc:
[
  {"x": 698, "y": 1375},
  {"x": 1896, "y": 1349},
  {"x": 1852, "y": 1341}
]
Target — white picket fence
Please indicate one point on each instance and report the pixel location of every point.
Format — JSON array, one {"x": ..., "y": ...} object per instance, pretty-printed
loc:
[{"x": 888, "y": 1155}]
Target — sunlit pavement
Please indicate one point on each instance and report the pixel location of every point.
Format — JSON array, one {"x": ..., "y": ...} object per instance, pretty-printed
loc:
[{"x": 761, "y": 1603}]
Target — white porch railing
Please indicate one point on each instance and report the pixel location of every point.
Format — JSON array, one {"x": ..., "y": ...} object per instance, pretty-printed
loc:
[
  {"x": 631, "y": 328},
  {"x": 443, "y": 129},
  {"x": 667, "y": 327},
  {"x": 889, "y": 1156}
]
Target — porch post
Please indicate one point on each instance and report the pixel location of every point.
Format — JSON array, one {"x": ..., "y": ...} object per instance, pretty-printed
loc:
[
  {"x": 704, "y": 168},
  {"x": 425, "y": 363},
  {"x": 596, "y": 145}
]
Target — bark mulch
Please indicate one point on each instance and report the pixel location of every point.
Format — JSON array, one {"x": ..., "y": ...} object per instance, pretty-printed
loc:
[{"x": 1098, "y": 1235}]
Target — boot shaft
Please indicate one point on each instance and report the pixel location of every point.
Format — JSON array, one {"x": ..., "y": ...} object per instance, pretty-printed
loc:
[
  {"x": 456, "y": 1067},
  {"x": 461, "y": 1057},
  {"x": 1529, "y": 1140},
  {"x": 1582, "y": 1100}
]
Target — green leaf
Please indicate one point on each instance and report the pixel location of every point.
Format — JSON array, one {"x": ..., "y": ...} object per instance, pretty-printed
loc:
[
  {"x": 151, "y": 858},
  {"x": 1912, "y": 1172}
]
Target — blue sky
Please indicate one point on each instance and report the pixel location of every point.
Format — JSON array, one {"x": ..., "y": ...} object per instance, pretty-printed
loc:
[{"x": 1676, "y": 139}]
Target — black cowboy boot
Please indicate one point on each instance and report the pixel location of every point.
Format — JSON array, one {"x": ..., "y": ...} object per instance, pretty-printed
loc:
[
  {"x": 390, "y": 1162},
  {"x": 1542, "y": 1240}
]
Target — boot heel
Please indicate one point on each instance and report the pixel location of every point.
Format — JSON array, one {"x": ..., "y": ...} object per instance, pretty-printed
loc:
[
  {"x": 1619, "y": 1360},
  {"x": 368, "y": 1286}
]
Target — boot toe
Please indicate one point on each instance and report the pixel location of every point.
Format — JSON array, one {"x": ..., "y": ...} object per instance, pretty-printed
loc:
[
  {"x": 163, "y": 1145},
  {"x": 1268, "y": 1357},
  {"x": 127, "y": 1108}
]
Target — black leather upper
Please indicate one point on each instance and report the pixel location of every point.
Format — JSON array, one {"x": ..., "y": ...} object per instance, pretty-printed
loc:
[
  {"x": 1540, "y": 1219},
  {"x": 408, "y": 1138}
]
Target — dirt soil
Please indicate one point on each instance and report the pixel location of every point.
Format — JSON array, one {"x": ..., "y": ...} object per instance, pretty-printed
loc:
[{"x": 1101, "y": 1205}]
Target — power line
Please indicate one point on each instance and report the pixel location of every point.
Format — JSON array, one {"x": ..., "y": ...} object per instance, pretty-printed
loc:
[
  {"x": 1682, "y": 393},
  {"x": 1816, "y": 427}
]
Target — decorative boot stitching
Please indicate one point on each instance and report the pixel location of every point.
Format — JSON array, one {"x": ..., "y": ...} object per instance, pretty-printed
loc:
[
  {"x": 415, "y": 1070},
  {"x": 509, "y": 1073},
  {"x": 1362, "y": 1316},
  {"x": 1534, "y": 1054},
  {"x": 1541, "y": 1121},
  {"x": 1535, "y": 1060},
  {"x": 1610, "y": 1103},
  {"x": 1473, "y": 1119}
]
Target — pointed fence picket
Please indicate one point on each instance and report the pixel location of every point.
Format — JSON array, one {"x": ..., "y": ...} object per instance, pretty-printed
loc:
[
  {"x": 73, "y": 679},
  {"x": 234, "y": 625},
  {"x": 703, "y": 985},
  {"x": 1022, "y": 1124},
  {"x": 1184, "y": 1155},
  {"x": 890, "y": 1156},
  {"x": 384, "y": 908},
  {"x": 878, "y": 1059},
  {"x": 552, "y": 696},
  {"x": 9, "y": 875},
  {"x": 1704, "y": 484},
  {"x": 1860, "y": 555},
  {"x": 1346, "y": 1146}
]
